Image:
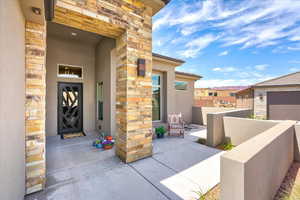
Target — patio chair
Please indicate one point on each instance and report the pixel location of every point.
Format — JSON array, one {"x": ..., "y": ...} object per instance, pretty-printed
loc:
[{"x": 175, "y": 125}]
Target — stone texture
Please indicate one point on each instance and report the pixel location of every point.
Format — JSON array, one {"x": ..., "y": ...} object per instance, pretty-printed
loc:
[
  {"x": 130, "y": 23},
  {"x": 35, "y": 71}
]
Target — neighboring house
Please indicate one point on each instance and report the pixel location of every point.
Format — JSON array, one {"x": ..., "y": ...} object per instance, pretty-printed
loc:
[
  {"x": 78, "y": 65},
  {"x": 244, "y": 98},
  {"x": 278, "y": 98},
  {"x": 217, "y": 97}
]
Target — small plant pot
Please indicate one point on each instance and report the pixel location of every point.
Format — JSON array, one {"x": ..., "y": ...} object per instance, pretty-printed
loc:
[
  {"x": 99, "y": 146},
  {"x": 106, "y": 147},
  {"x": 160, "y": 135},
  {"x": 108, "y": 137}
]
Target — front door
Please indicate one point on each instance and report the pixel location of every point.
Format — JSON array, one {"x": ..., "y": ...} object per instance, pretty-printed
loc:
[{"x": 69, "y": 108}]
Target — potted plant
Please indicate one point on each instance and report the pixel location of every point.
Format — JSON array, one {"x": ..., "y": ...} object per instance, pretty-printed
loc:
[
  {"x": 160, "y": 132},
  {"x": 107, "y": 144},
  {"x": 97, "y": 144}
]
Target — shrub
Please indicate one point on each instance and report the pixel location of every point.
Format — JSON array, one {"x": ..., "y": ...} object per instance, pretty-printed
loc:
[
  {"x": 160, "y": 131},
  {"x": 228, "y": 146}
]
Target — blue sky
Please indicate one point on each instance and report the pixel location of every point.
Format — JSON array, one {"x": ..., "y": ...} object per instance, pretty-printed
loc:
[{"x": 230, "y": 42}]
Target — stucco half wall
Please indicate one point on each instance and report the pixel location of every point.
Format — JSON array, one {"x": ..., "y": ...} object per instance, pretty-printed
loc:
[
  {"x": 256, "y": 168},
  {"x": 12, "y": 101},
  {"x": 238, "y": 130},
  {"x": 199, "y": 114},
  {"x": 215, "y": 125}
]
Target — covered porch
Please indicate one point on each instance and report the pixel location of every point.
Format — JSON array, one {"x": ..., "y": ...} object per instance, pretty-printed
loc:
[{"x": 178, "y": 168}]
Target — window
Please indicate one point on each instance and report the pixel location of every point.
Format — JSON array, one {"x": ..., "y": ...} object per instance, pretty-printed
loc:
[
  {"x": 156, "y": 97},
  {"x": 215, "y": 94},
  {"x": 210, "y": 94},
  {"x": 67, "y": 71},
  {"x": 181, "y": 85},
  {"x": 232, "y": 94},
  {"x": 100, "y": 101}
]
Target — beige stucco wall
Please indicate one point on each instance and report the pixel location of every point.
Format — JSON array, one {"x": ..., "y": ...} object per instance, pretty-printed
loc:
[
  {"x": 168, "y": 71},
  {"x": 215, "y": 125},
  {"x": 199, "y": 114},
  {"x": 255, "y": 169},
  {"x": 185, "y": 100},
  {"x": 12, "y": 101},
  {"x": 62, "y": 51},
  {"x": 260, "y": 106},
  {"x": 239, "y": 130},
  {"x": 105, "y": 71},
  {"x": 297, "y": 142},
  {"x": 172, "y": 98}
]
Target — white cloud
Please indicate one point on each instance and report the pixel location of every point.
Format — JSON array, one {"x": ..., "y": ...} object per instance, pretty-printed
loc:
[
  {"x": 224, "y": 53},
  {"x": 193, "y": 47},
  {"x": 229, "y": 82},
  {"x": 294, "y": 69},
  {"x": 224, "y": 69},
  {"x": 261, "y": 67},
  {"x": 249, "y": 23},
  {"x": 294, "y": 61}
]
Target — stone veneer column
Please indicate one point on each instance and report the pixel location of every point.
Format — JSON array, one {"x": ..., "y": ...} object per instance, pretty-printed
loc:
[{"x": 35, "y": 47}]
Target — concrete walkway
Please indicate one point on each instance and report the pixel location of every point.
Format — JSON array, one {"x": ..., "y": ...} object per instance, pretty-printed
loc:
[{"x": 178, "y": 168}]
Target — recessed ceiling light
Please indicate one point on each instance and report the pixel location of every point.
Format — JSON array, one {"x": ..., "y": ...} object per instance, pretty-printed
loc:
[
  {"x": 36, "y": 10},
  {"x": 73, "y": 34}
]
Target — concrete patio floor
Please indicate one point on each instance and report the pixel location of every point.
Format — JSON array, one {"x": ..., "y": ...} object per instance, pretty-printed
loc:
[{"x": 178, "y": 168}]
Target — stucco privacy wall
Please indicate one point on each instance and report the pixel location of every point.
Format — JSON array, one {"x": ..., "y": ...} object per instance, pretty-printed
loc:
[
  {"x": 297, "y": 142},
  {"x": 255, "y": 169},
  {"x": 70, "y": 52},
  {"x": 260, "y": 105},
  {"x": 105, "y": 72},
  {"x": 185, "y": 100},
  {"x": 168, "y": 72},
  {"x": 12, "y": 101},
  {"x": 35, "y": 48},
  {"x": 215, "y": 125},
  {"x": 239, "y": 130},
  {"x": 199, "y": 114},
  {"x": 130, "y": 22}
]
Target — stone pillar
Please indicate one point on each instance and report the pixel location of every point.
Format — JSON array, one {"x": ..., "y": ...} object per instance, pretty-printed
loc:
[
  {"x": 35, "y": 72},
  {"x": 134, "y": 98}
]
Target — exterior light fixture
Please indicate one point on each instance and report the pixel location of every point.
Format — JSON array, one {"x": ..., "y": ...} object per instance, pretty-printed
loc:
[
  {"x": 261, "y": 97},
  {"x": 36, "y": 10},
  {"x": 74, "y": 34},
  {"x": 141, "y": 67}
]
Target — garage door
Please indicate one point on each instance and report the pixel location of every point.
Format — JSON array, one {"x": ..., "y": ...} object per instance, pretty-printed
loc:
[{"x": 283, "y": 105}]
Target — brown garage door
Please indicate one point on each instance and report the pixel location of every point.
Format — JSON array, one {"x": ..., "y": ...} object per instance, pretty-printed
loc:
[{"x": 284, "y": 105}]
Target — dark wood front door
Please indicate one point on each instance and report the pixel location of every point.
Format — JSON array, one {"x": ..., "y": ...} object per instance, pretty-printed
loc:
[{"x": 69, "y": 108}]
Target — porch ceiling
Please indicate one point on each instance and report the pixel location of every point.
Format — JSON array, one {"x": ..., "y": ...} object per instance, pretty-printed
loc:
[{"x": 69, "y": 33}]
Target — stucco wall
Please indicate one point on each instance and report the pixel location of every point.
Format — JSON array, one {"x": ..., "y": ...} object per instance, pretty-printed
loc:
[
  {"x": 168, "y": 71},
  {"x": 255, "y": 169},
  {"x": 239, "y": 130},
  {"x": 105, "y": 72},
  {"x": 215, "y": 125},
  {"x": 199, "y": 114},
  {"x": 260, "y": 105},
  {"x": 62, "y": 51},
  {"x": 12, "y": 101},
  {"x": 297, "y": 142},
  {"x": 185, "y": 100}
]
